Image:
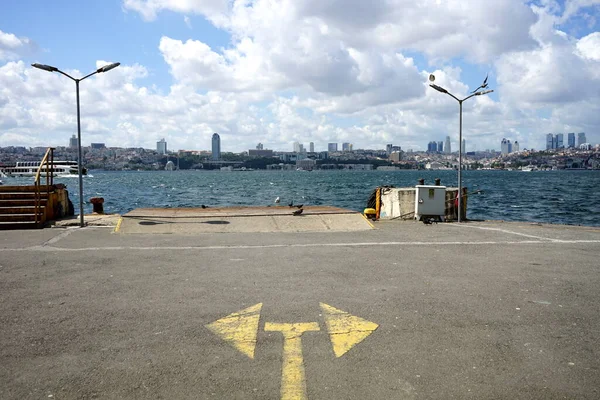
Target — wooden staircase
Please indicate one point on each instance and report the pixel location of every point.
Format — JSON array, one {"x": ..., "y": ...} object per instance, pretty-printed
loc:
[
  {"x": 25, "y": 207},
  {"x": 18, "y": 206}
]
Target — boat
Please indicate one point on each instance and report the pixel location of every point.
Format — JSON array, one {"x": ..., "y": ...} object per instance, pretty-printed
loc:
[
  {"x": 30, "y": 168},
  {"x": 529, "y": 168}
]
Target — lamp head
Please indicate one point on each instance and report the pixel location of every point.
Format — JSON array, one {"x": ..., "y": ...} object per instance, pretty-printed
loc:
[
  {"x": 431, "y": 77},
  {"x": 107, "y": 68},
  {"x": 45, "y": 67},
  {"x": 438, "y": 88}
]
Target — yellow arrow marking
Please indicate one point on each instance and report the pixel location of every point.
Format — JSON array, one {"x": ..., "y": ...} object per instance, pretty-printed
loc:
[
  {"x": 239, "y": 329},
  {"x": 293, "y": 383},
  {"x": 345, "y": 330}
]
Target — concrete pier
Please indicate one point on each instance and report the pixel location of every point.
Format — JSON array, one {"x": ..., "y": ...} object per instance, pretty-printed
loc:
[{"x": 484, "y": 310}]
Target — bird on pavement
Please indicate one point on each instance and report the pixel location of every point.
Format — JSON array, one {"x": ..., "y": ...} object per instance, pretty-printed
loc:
[
  {"x": 429, "y": 221},
  {"x": 298, "y": 212},
  {"x": 299, "y": 205},
  {"x": 277, "y": 200},
  {"x": 291, "y": 203}
]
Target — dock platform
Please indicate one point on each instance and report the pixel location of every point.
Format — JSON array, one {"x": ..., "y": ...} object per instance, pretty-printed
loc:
[
  {"x": 480, "y": 310},
  {"x": 192, "y": 221}
]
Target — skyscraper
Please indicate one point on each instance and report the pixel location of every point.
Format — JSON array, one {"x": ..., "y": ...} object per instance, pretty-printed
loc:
[
  {"x": 571, "y": 140},
  {"x": 505, "y": 146},
  {"x": 581, "y": 139},
  {"x": 388, "y": 148},
  {"x": 432, "y": 147},
  {"x": 332, "y": 147},
  {"x": 311, "y": 146},
  {"x": 216, "y": 147},
  {"x": 440, "y": 146},
  {"x": 297, "y": 147},
  {"x": 447, "y": 146},
  {"x": 549, "y": 141},
  {"x": 346, "y": 147},
  {"x": 559, "y": 141},
  {"x": 161, "y": 146},
  {"x": 515, "y": 146},
  {"x": 73, "y": 142}
]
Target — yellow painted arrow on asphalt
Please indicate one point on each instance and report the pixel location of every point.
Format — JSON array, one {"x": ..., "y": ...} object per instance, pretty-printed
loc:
[
  {"x": 345, "y": 330},
  {"x": 240, "y": 329}
]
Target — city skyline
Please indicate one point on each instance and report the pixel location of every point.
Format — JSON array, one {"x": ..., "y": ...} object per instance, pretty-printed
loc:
[{"x": 269, "y": 71}]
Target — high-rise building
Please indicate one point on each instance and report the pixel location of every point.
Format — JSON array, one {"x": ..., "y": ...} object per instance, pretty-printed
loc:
[
  {"x": 463, "y": 148},
  {"x": 515, "y": 146},
  {"x": 549, "y": 141},
  {"x": 559, "y": 141},
  {"x": 311, "y": 146},
  {"x": 447, "y": 146},
  {"x": 161, "y": 146},
  {"x": 73, "y": 142},
  {"x": 581, "y": 139},
  {"x": 302, "y": 149},
  {"x": 388, "y": 148},
  {"x": 216, "y": 147},
  {"x": 440, "y": 146},
  {"x": 505, "y": 146},
  {"x": 571, "y": 139},
  {"x": 297, "y": 147},
  {"x": 259, "y": 146},
  {"x": 332, "y": 147},
  {"x": 432, "y": 147},
  {"x": 346, "y": 147}
]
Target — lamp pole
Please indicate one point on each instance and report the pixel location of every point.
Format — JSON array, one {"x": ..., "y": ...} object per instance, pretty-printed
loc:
[
  {"x": 460, "y": 105},
  {"x": 106, "y": 68}
]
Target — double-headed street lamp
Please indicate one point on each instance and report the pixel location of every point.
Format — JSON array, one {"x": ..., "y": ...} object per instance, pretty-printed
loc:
[
  {"x": 476, "y": 92},
  {"x": 106, "y": 68}
]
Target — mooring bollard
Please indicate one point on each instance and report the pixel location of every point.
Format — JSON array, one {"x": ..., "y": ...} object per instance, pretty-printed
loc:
[
  {"x": 97, "y": 203},
  {"x": 438, "y": 181},
  {"x": 421, "y": 181}
]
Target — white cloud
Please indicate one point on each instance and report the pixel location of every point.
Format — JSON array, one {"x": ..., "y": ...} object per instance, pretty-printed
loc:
[
  {"x": 329, "y": 70},
  {"x": 149, "y": 9},
  {"x": 589, "y": 46},
  {"x": 13, "y": 47}
]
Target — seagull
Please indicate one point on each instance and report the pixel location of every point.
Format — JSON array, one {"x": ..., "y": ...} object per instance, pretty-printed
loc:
[
  {"x": 203, "y": 206},
  {"x": 299, "y": 205},
  {"x": 298, "y": 212},
  {"x": 483, "y": 85},
  {"x": 429, "y": 221},
  {"x": 291, "y": 203},
  {"x": 277, "y": 200}
]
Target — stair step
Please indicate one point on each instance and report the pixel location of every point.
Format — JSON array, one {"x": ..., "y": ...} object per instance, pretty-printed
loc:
[
  {"x": 21, "y": 210},
  {"x": 18, "y": 217},
  {"x": 4, "y": 226},
  {"x": 20, "y": 195},
  {"x": 24, "y": 188},
  {"x": 20, "y": 202}
]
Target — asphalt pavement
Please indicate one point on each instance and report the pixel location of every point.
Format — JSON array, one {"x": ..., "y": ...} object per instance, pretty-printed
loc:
[{"x": 481, "y": 310}]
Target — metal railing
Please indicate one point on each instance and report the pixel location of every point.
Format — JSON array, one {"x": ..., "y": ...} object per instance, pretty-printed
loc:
[{"x": 48, "y": 162}]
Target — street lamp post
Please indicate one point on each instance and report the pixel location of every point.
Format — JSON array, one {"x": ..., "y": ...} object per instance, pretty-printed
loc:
[
  {"x": 106, "y": 68},
  {"x": 476, "y": 92}
]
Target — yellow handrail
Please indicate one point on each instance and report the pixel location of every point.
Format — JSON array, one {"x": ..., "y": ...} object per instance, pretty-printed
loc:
[{"x": 49, "y": 180}]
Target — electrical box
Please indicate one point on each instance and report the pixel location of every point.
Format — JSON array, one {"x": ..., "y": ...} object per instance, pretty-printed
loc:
[{"x": 430, "y": 201}]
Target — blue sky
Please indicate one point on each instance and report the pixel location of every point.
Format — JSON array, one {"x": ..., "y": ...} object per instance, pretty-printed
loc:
[{"x": 284, "y": 71}]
